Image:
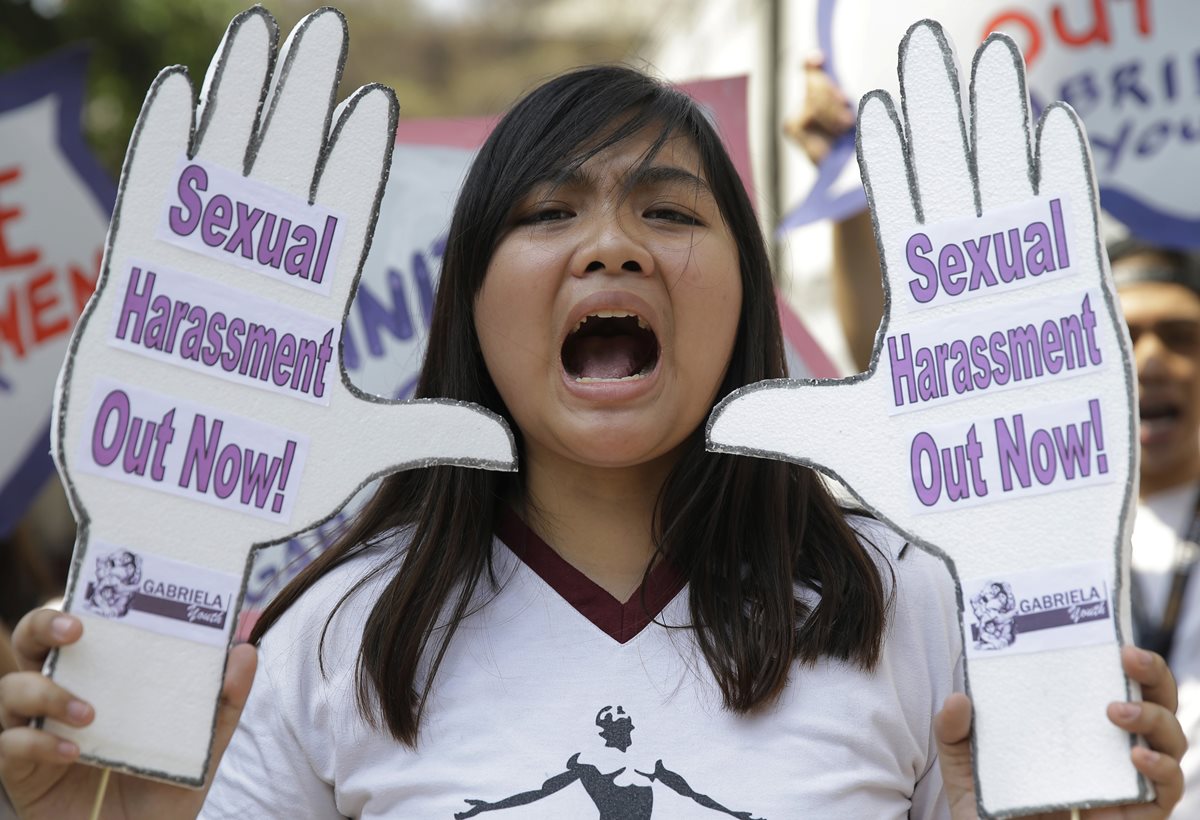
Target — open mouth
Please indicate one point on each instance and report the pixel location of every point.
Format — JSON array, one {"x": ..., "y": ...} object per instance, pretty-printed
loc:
[
  {"x": 610, "y": 346},
  {"x": 1158, "y": 411}
]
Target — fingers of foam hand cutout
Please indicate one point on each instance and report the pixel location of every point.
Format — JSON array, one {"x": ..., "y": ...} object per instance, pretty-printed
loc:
[
  {"x": 226, "y": 126},
  {"x": 990, "y": 313},
  {"x": 996, "y": 423},
  {"x": 202, "y": 410}
]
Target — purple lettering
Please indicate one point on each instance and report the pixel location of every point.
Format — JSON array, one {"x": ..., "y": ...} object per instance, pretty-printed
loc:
[
  {"x": 960, "y": 375},
  {"x": 1045, "y": 465},
  {"x": 242, "y": 238},
  {"x": 116, "y": 402},
  {"x": 950, "y": 265},
  {"x": 323, "y": 251},
  {"x": 954, "y": 468},
  {"x": 924, "y": 452},
  {"x": 258, "y": 477},
  {"x": 164, "y": 436},
  {"x": 297, "y": 261},
  {"x": 1073, "y": 448},
  {"x": 374, "y": 315},
  {"x": 975, "y": 456},
  {"x": 228, "y": 471},
  {"x": 983, "y": 372},
  {"x": 137, "y": 458},
  {"x": 193, "y": 337},
  {"x": 201, "y": 453},
  {"x": 1098, "y": 435},
  {"x": 218, "y": 216},
  {"x": 1153, "y": 139},
  {"x": 136, "y": 304},
  {"x": 212, "y": 349},
  {"x": 258, "y": 352},
  {"x": 1088, "y": 319},
  {"x": 323, "y": 356},
  {"x": 285, "y": 358},
  {"x": 1126, "y": 82},
  {"x": 178, "y": 312},
  {"x": 273, "y": 240},
  {"x": 289, "y": 453},
  {"x": 1008, "y": 260},
  {"x": 1113, "y": 148},
  {"x": 926, "y": 380},
  {"x": 156, "y": 327},
  {"x": 1002, "y": 372},
  {"x": 230, "y": 358},
  {"x": 1052, "y": 346},
  {"x": 1014, "y": 458},
  {"x": 1038, "y": 259},
  {"x": 901, "y": 367},
  {"x": 1060, "y": 234},
  {"x": 981, "y": 268},
  {"x": 918, "y": 244},
  {"x": 181, "y": 221}
]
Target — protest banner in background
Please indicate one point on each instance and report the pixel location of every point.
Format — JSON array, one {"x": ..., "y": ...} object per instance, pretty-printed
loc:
[
  {"x": 55, "y": 201},
  {"x": 383, "y": 339},
  {"x": 1128, "y": 68}
]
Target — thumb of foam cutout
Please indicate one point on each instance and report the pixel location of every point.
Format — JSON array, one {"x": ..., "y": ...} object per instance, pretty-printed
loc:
[
  {"x": 202, "y": 411},
  {"x": 996, "y": 424}
]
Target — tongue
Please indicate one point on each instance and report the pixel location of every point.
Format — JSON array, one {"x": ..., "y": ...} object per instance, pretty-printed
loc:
[{"x": 598, "y": 357}]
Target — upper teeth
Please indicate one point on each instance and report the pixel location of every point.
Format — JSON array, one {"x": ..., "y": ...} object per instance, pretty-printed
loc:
[{"x": 611, "y": 314}]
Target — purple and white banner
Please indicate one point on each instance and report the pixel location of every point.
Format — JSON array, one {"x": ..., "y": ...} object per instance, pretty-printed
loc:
[
  {"x": 205, "y": 327},
  {"x": 182, "y": 448},
  {"x": 230, "y": 218},
  {"x": 1128, "y": 67},
  {"x": 1046, "y": 448}
]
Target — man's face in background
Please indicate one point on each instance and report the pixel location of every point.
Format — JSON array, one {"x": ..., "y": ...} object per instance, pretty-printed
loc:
[{"x": 1164, "y": 323}]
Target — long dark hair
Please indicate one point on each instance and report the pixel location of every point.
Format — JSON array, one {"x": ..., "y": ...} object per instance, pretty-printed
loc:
[{"x": 744, "y": 532}]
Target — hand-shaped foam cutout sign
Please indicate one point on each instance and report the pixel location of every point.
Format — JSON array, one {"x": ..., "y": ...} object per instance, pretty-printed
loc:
[
  {"x": 995, "y": 426},
  {"x": 201, "y": 412}
]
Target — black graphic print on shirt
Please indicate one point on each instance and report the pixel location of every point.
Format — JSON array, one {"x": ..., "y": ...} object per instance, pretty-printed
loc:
[{"x": 631, "y": 802}]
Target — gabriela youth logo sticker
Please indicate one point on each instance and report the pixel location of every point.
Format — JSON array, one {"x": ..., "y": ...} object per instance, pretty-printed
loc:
[
  {"x": 159, "y": 594},
  {"x": 1034, "y": 612},
  {"x": 111, "y": 594},
  {"x": 995, "y": 611}
]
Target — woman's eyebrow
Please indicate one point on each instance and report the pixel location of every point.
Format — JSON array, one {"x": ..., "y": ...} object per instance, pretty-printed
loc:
[
  {"x": 640, "y": 176},
  {"x": 649, "y": 175}
]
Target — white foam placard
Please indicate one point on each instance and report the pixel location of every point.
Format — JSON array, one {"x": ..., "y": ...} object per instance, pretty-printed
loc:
[
  {"x": 199, "y": 414},
  {"x": 995, "y": 426}
]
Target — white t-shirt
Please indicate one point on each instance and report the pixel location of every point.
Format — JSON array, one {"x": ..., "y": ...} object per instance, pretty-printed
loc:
[
  {"x": 1161, "y": 524},
  {"x": 557, "y": 701}
]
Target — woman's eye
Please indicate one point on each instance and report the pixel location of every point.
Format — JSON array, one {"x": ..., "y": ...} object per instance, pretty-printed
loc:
[
  {"x": 672, "y": 215},
  {"x": 545, "y": 215},
  {"x": 1182, "y": 338}
]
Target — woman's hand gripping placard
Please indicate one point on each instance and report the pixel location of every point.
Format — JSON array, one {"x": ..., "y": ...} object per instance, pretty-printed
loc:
[
  {"x": 202, "y": 410},
  {"x": 996, "y": 424}
]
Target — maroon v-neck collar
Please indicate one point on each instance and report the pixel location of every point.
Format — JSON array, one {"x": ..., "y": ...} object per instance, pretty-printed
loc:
[{"x": 621, "y": 621}]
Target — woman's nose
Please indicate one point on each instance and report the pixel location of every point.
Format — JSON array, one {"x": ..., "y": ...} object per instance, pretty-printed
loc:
[
  {"x": 613, "y": 247},
  {"x": 1149, "y": 355}
]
